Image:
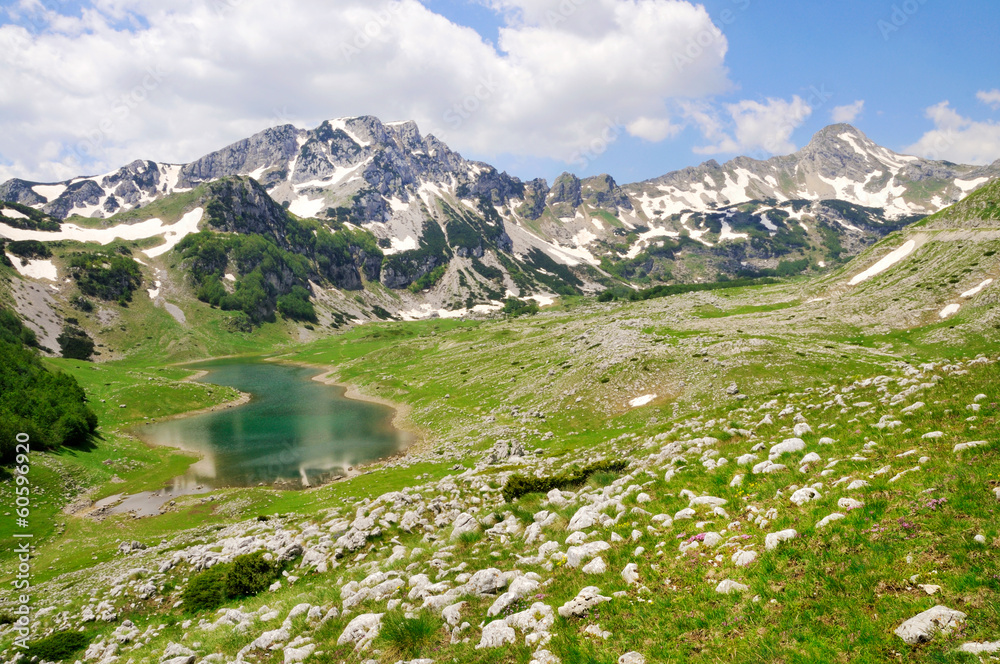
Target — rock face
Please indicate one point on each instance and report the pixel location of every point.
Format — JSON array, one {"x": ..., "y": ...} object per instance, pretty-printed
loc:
[{"x": 923, "y": 626}]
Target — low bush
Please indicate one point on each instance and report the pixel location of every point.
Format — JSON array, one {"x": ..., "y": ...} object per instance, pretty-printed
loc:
[
  {"x": 520, "y": 485},
  {"x": 245, "y": 576},
  {"x": 58, "y": 647}
]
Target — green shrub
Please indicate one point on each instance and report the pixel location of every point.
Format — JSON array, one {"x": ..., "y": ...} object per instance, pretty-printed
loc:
[
  {"x": 108, "y": 276},
  {"x": 29, "y": 249},
  {"x": 520, "y": 485},
  {"x": 59, "y": 646},
  {"x": 515, "y": 307},
  {"x": 296, "y": 305},
  {"x": 50, "y": 407},
  {"x": 250, "y": 574},
  {"x": 206, "y": 591},
  {"x": 75, "y": 343},
  {"x": 245, "y": 576}
]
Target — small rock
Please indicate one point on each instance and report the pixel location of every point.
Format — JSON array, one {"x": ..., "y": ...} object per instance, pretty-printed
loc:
[
  {"x": 774, "y": 539},
  {"x": 729, "y": 586},
  {"x": 632, "y": 658}
]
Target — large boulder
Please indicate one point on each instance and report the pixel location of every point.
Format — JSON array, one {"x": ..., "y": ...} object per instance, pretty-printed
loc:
[{"x": 923, "y": 626}]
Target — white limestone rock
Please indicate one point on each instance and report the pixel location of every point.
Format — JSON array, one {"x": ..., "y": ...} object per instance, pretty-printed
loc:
[{"x": 923, "y": 626}]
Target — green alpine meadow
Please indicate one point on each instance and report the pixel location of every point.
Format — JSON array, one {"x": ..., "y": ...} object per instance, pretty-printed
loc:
[{"x": 499, "y": 332}]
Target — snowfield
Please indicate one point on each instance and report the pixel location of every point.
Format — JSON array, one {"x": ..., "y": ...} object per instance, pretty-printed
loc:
[
  {"x": 37, "y": 269},
  {"x": 884, "y": 264},
  {"x": 172, "y": 234}
]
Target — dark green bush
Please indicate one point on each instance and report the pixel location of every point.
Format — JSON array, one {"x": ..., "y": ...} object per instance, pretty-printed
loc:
[
  {"x": 50, "y": 407},
  {"x": 59, "y": 646},
  {"x": 515, "y": 307},
  {"x": 250, "y": 575},
  {"x": 206, "y": 591},
  {"x": 75, "y": 343},
  {"x": 520, "y": 485},
  {"x": 109, "y": 276},
  {"x": 29, "y": 249},
  {"x": 296, "y": 305},
  {"x": 245, "y": 576}
]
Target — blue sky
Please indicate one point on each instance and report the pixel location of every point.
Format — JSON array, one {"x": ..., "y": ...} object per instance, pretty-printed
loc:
[
  {"x": 898, "y": 60},
  {"x": 588, "y": 86}
]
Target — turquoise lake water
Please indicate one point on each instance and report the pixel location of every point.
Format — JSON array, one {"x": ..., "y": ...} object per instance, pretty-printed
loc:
[{"x": 295, "y": 431}]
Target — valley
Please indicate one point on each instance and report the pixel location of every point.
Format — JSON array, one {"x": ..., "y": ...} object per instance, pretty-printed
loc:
[{"x": 751, "y": 466}]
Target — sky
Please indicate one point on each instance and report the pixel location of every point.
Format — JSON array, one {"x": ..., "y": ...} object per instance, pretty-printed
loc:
[{"x": 633, "y": 88}]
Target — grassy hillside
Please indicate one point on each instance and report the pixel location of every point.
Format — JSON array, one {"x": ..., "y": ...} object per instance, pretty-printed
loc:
[{"x": 825, "y": 452}]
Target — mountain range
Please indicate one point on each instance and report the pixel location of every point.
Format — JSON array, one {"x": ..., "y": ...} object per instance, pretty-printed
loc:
[{"x": 461, "y": 234}]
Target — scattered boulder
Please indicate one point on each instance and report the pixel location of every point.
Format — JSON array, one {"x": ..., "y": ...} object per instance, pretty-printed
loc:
[
  {"x": 464, "y": 523},
  {"x": 595, "y": 566},
  {"x": 923, "y": 626},
  {"x": 805, "y": 495},
  {"x": 585, "y": 600},
  {"x": 774, "y": 539},
  {"x": 827, "y": 520},
  {"x": 787, "y": 446},
  {"x": 497, "y": 633},
  {"x": 729, "y": 586},
  {"x": 362, "y": 630}
]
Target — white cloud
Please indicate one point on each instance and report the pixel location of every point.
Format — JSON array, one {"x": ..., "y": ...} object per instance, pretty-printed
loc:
[
  {"x": 990, "y": 98},
  {"x": 958, "y": 139},
  {"x": 653, "y": 129},
  {"x": 174, "y": 79},
  {"x": 752, "y": 126},
  {"x": 848, "y": 113}
]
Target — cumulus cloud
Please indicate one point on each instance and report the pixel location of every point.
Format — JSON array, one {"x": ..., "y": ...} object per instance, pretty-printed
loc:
[
  {"x": 990, "y": 98},
  {"x": 848, "y": 113},
  {"x": 653, "y": 129},
  {"x": 957, "y": 138},
  {"x": 173, "y": 79},
  {"x": 752, "y": 126}
]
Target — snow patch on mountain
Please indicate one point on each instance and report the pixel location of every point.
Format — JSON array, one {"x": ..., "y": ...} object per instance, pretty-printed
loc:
[
  {"x": 35, "y": 269},
  {"x": 143, "y": 230},
  {"x": 888, "y": 261},
  {"x": 172, "y": 235},
  {"x": 50, "y": 192},
  {"x": 950, "y": 310},
  {"x": 977, "y": 290}
]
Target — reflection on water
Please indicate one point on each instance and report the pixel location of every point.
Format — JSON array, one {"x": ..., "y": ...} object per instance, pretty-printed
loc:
[{"x": 295, "y": 431}]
